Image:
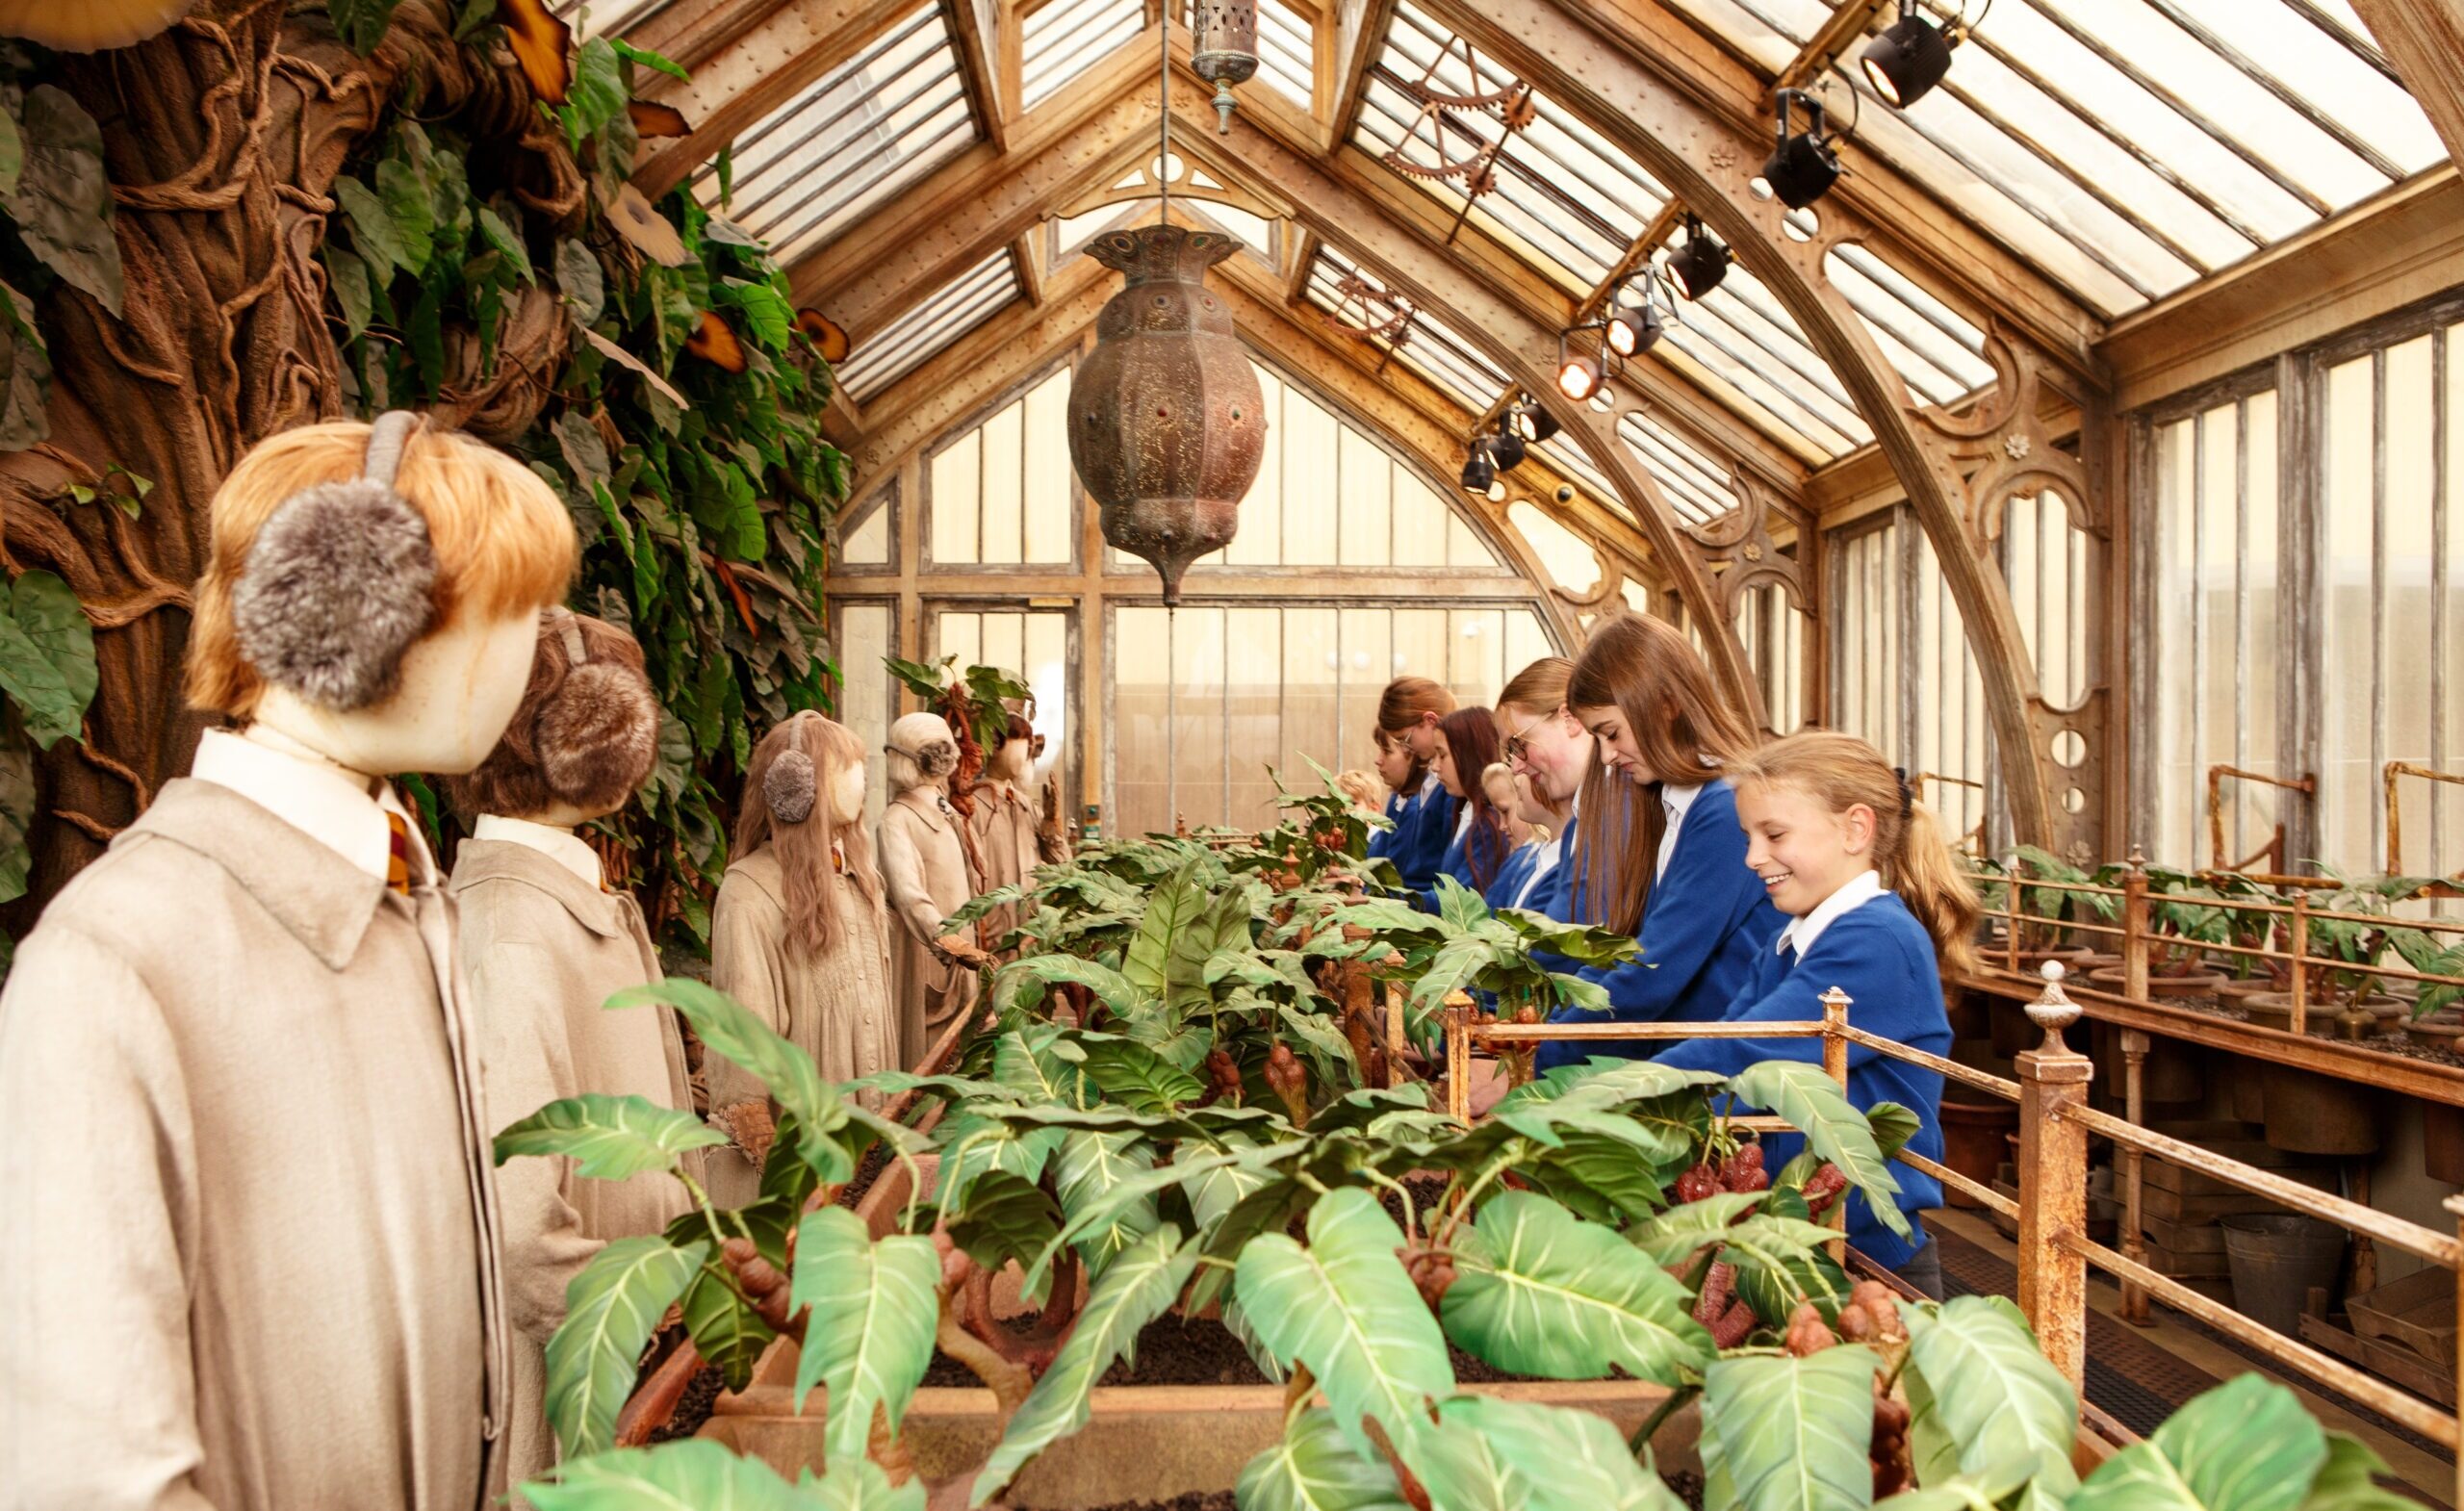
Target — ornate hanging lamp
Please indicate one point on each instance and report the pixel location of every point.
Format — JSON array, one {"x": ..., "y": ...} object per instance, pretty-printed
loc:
[{"x": 1167, "y": 426}]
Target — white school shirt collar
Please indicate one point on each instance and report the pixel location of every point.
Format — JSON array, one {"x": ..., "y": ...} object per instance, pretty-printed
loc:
[
  {"x": 561, "y": 845},
  {"x": 1678, "y": 801},
  {"x": 1543, "y": 861},
  {"x": 325, "y": 801},
  {"x": 1429, "y": 785},
  {"x": 1854, "y": 893}
]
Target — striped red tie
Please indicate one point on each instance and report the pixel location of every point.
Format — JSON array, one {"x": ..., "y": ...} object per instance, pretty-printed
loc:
[{"x": 397, "y": 855}]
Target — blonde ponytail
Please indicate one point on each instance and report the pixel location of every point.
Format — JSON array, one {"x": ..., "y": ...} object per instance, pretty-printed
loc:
[{"x": 1841, "y": 772}]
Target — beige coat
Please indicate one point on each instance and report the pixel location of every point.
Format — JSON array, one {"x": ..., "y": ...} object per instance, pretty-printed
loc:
[
  {"x": 838, "y": 1010},
  {"x": 542, "y": 949},
  {"x": 246, "y": 1248},
  {"x": 924, "y": 870},
  {"x": 1005, "y": 831}
]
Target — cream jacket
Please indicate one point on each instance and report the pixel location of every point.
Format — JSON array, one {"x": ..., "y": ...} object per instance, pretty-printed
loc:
[
  {"x": 925, "y": 872},
  {"x": 1005, "y": 831},
  {"x": 542, "y": 949},
  {"x": 247, "y": 1230},
  {"x": 838, "y": 1009}
]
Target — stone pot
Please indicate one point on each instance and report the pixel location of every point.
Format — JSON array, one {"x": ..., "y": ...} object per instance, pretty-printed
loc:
[
  {"x": 2443, "y": 1030},
  {"x": 2274, "y": 1009}
]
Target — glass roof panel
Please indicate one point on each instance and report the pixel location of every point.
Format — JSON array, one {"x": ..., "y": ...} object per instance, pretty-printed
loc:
[
  {"x": 1939, "y": 351},
  {"x": 861, "y": 134},
  {"x": 607, "y": 18},
  {"x": 1286, "y": 59},
  {"x": 1422, "y": 343},
  {"x": 1067, "y": 37},
  {"x": 1256, "y": 234},
  {"x": 2128, "y": 148},
  {"x": 923, "y": 332},
  {"x": 1697, "y": 487}
]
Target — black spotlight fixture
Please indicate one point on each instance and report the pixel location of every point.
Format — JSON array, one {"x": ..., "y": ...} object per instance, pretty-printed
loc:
[
  {"x": 1578, "y": 373},
  {"x": 1801, "y": 169},
  {"x": 1699, "y": 266},
  {"x": 1634, "y": 328},
  {"x": 1479, "y": 469},
  {"x": 1507, "y": 449},
  {"x": 1531, "y": 419},
  {"x": 1908, "y": 58}
]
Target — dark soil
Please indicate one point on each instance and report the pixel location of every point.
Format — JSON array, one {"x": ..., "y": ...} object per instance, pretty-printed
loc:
[
  {"x": 876, "y": 1161},
  {"x": 694, "y": 1407},
  {"x": 1176, "y": 1351},
  {"x": 2213, "y": 1007},
  {"x": 1689, "y": 1486},
  {"x": 2400, "y": 1044},
  {"x": 1188, "y": 1500}
]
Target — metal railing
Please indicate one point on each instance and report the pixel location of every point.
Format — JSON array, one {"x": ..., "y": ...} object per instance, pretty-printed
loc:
[{"x": 2055, "y": 1253}]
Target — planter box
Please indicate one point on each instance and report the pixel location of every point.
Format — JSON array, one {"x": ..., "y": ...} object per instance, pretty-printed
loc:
[
  {"x": 2417, "y": 1312},
  {"x": 1144, "y": 1443}
]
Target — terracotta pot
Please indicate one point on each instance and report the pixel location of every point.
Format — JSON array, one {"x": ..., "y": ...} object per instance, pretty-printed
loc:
[
  {"x": 2274, "y": 1009},
  {"x": 2161, "y": 989},
  {"x": 1974, "y": 1138},
  {"x": 2443, "y": 1030}
]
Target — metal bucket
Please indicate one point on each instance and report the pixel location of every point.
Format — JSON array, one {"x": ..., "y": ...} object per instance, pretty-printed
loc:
[{"x": 2275, "y": 1259}]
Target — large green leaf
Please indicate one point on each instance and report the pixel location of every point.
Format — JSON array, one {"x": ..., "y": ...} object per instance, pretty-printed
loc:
[
  {"x": 695, "y": 1474},
  {"x": 1214, "y": 1190},
  {"x": 611, "y": 1309},
  {"x": 1989, "y": 1391},
  {"x": 1136, "y": 1076},
  {"x": 47, "y": 657},
  {"x": 1676, "y": 1233},
  {"x": 1792, "y": 1434},
  {"x": 1111, "y": 988},
  {"x": 869, "y": 1336},
  {"x": 1985, "y": 1491},
  {"x": 974, "y": 1146},
  {"x": 1140, "y": 1286},
  {"x": 1604, "y": 1081},
  {"x": 610, "y": 1137},
  {"x": 1781, "y": 1261},
  {"x": 1006, "y": 1220},
  {"x": 859, "y": 1484},
  {"x": 1030, "y": 1062},
  {"x": 1570, "y": 1459},
  {"x": 1816, "y": 1106},
  {"x": 1092, "y": 1168},
  {"x": 1171, "y": 910},
  {"x": 2246, "y": 1446},
  {"x": 2345, "y": 1482},
  {"x": 790, "y": 1074},
  {"x": 1464, "y": 1471},
  {"x": 724, "y": 1326},
  {"x": 1538, "y": 1291},
  {"x": 25, "y": 372},
  {"x": 1313, "y": 1469},
  {"x": 61, "y": 206},
  {"x": 1598, "y": 1178},
  {"x": 1345, "y": 1307}
]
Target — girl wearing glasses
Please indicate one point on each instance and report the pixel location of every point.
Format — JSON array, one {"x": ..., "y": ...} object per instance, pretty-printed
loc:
[
  {"x": 1550, "y": 752},
  {"x": 1668, "y": 866}
]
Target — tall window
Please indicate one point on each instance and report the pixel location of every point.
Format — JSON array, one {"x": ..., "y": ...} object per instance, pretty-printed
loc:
[{"x": 1003, "y": 493}]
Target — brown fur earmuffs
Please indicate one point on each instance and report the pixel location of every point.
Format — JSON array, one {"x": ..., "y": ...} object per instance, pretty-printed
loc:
[{"x": 587, "y": 734}]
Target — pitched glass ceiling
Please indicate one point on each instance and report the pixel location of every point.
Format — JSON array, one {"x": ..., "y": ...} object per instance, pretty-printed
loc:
[
  {"x": 1572, "y": 204},
  {"x": 925, "y": 331},
  {"x": 1067, "y": 37},
  {"x": 869, "y": 128},
  {"x": 1284, "y": 59},
  {"x": 2129, "y": 147}
]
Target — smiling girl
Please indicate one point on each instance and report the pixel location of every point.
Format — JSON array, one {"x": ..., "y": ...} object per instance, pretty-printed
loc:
[
  {"x": 1667, "y": 863},
  {"x": 1878, "y": 908}
]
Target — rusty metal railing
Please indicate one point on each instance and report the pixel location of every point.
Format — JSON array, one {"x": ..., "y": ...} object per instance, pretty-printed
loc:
[
  {"x": 2055, "y": 1253},
  {"x": 2396, "y": 769},
  {"x": 2274, "y": 850}
]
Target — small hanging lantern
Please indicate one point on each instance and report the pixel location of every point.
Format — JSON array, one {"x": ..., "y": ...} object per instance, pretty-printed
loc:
[
  {"x": 1224, "y": 50},
  {"x": 1167, "y": 426}
]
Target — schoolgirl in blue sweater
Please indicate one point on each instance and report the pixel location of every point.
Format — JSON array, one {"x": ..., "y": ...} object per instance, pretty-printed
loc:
[
  {"x": 1667, "y": 865},
  {"x": 1403, "y": 777},
  {"x": 1467, "y": 742},
  {"x": 1408, "y": 712},
  {"x": 1550, "y": 755},
  {"x": 1876, "y": 908},
  {"x": 1533, "y": 830}
]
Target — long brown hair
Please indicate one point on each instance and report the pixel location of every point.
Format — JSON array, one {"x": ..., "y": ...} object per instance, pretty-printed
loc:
[
  {"x": 1684, "y": 726},
  {"x": 1471, "y": 737},
  {"x": 1841, "y": 772},
  {"x": 804, "y": 848}
]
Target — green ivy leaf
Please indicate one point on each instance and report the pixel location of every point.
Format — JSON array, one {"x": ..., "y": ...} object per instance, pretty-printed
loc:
[
  {"x": 766, "y": 316},
  {"x": 47, "y": 657},
  {"x": 598, "y": 93},
  {"x": 347, "y": 276},
  {"x": 507, "y": 240},
  {"x": 17, "y": 797},
  {"x": 584, "y": 286},
  {"x": 648, "y": 59},
  {"x": 869, "y": 1337},
  {"x": 25, "y": 372},
  {"x": 62, "y": 203},
  {"x": 362, "y": 23},
  {"x": 611, "y": 1309},
  {"x": 610, "y": 1138},
  {"x": 1541, "y": 1293}
]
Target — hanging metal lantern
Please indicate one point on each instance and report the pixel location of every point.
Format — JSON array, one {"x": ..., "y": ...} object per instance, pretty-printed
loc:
[
  {"x": 1167, "y": 426},
  {"x": 1224, "y": 49}
]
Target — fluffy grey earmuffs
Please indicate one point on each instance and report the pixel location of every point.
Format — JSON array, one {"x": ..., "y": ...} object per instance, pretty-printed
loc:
[
  {"x": 790, "y": 788},
  {"x": 598, "y": 734},
  {"x": 339, "y": 582}
]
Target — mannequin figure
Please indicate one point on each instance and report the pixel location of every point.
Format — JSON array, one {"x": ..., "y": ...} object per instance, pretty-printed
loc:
[
  {"x": 925, "y": 870},
  {"x": 543, "y": 943},
  {"x": 800, "y": 935},
  {"x": 1005, "y": 819},
  {"x": 251, "y": 1254}
]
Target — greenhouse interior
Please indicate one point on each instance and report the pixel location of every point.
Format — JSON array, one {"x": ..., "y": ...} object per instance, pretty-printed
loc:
[{"x": 1247, "y": 755}]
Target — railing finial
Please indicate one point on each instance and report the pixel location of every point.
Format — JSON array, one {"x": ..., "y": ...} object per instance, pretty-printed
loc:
[
  {"x": 2053, "y": 1011},
  {"x": 2138, "y": 860}
]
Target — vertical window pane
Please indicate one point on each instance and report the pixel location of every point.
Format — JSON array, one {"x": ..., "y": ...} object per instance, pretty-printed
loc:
[
  {"x": 1141, "y": 732},
  {"x": 868, "y": 544},
  {"x": 1420, "y": 519},
  {"x": 1260, "y": 542},
  {"x": 1308, "y": 462},
  {"x": 1197, "y": 716},
  {"x": 2348, "y": 758},
  {"x": 1253, "y": 713},
  {"x": 1004, "y": 517},
  {"x": 956, "y": 480},
  {"x": 865, "y": 635},
  {"x": 1051, "y": 486},
  {"x": 1364, "y": 498}
]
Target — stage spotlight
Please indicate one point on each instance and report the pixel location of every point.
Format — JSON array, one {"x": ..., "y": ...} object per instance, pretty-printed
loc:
[
  {"x": 1801, "y": 169},
  {"x": 1907, "y": 59},
  {"x": 1480, "y": 472},
  {"x": 1578, "y": 373},
  {"x": 1507, "y": 449},
  {"x": 1531, "y": 419},
  {"x": 1699, "y": 266},
  {"x": 1632, "y": 328}
]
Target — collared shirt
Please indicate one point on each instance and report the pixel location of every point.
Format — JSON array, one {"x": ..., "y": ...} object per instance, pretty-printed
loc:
[
  {"x": 340, "y": 809},
  {"x": 1677, "y": 801},
  {"x": 1798, "y": 934},
  {"x": 1544, "y": 860},
  {"x": 561, "y": 845}
]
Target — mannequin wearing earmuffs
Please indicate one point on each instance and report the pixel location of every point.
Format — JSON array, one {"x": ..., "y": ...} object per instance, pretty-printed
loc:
[
  {"x": 545, "y": 941},
  {"x": 249, "y": 1247},
  {"x": 924, "y": 867},
  {"x": 800, "y": 934}
]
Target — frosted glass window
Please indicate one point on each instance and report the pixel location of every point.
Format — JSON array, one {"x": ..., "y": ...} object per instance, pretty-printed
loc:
[
  {"x": 1569, "y": 558},
  {"x": 1206, "y": 698},
  {"x": 1067, "y": 37},
  {"x": 870, "y": 544},
  {"x": 1286, "y": 59},
  {"x": 864, "y": 634},
  {"x": 1772, "y": 631},
  {"x": 1034, "y": 645},
  {"x": 2045, "y": 561},
  {"x": 1004, "y": 494}
]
